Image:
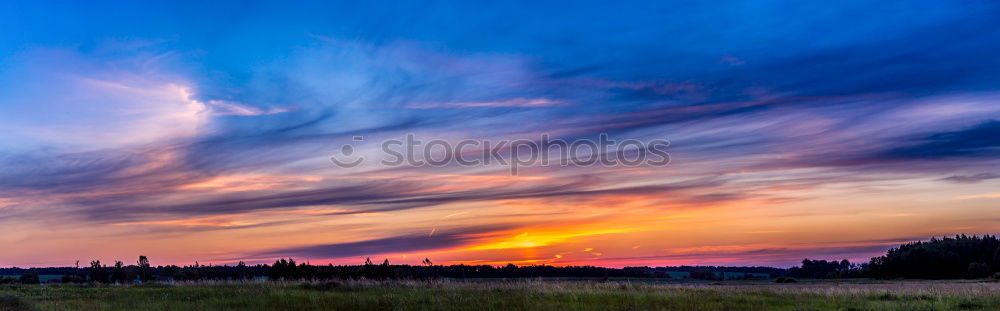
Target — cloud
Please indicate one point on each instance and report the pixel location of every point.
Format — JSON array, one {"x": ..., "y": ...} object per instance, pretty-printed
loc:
[
  {"x": 515, "y": 102},
  {"x": 977, "y": 141},
  {"x": 103, "y": 183},
  {"x": 991, "y": 195},
  {"x": 388, "y": 245},
  {"x": 366, "y": 197},
  {"x": 226, "y": 108},
  {"x": 73, "y": 100},
  {"x": 968, "y": 179}
]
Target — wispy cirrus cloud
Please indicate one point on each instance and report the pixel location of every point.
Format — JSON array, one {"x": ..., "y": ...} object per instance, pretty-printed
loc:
[
  {"x": 388, "y": 245},
  {"x": 516, "y": 102},
  {"x": 971, "y": 178}
]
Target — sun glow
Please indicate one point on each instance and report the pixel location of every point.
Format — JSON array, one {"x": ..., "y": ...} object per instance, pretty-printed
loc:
[{"x": 530, "y": 239}]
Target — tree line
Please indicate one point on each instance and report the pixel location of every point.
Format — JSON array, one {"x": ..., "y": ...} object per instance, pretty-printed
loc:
[
  {"x": 289, "y": 269},
  {"x": 957, "y": 257},
  {"x": 945, "y": 258}
]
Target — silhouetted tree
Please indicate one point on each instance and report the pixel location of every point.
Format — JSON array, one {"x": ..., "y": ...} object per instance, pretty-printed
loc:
[
  {"x": 97, "y": 272},
  {"x": 241, "y": 272},
  {"x": 145, "y": 274},
  {"x": 74, "y": 276},
  {"x": 287, "y": 270},
  {"x": 822, "y": 269},
  {"x": 118, "y": 273}
]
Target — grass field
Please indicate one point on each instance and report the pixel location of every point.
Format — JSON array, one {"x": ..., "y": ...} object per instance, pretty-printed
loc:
[{"x": 508, "y": 295}]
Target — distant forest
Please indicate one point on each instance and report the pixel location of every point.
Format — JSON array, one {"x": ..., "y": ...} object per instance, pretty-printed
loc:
[{"x": 945, "y": 258}]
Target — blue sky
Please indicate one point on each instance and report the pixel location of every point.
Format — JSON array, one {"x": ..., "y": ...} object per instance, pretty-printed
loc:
[{"x": 797, "y": 129}]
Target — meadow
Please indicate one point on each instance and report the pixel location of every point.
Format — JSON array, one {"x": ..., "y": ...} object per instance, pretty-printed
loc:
[{"x": 509, "y": 295}]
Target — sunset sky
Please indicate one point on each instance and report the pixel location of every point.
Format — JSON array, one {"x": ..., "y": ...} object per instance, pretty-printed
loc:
[{"x": 202, "y": 131}]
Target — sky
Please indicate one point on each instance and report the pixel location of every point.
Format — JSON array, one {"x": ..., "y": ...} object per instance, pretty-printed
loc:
[{"x": 192, "y": 131}]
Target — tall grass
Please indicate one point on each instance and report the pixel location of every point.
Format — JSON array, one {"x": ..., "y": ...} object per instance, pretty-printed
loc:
[{"x": 506, "y": 295}]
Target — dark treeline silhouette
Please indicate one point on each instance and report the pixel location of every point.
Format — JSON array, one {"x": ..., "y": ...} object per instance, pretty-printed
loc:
[
  {"x": 288, "y": 269},
  {"x": 822, "y": 269},
  {"x": 946, "y": 258},
  {"x": 142, "y": 271}
]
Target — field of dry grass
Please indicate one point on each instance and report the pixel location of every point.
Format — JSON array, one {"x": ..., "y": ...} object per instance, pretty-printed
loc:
[{"x": 511, "y": 295}]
